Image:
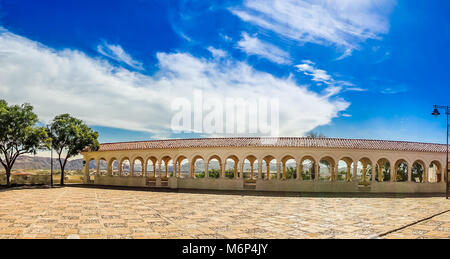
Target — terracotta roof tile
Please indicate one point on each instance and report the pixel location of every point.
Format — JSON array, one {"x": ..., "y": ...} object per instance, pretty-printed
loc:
[{"x": 275, "y": 142}]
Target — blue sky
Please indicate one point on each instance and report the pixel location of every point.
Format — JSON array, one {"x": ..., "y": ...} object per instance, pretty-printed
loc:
[{"x": 349, "y": 68}]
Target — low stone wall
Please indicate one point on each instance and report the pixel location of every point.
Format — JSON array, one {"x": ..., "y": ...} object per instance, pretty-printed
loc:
[
  {"x": 306, "y": 186},
  {"x": 26, "y": 179},
  {"x": 406, "y": 187},
  {"x": 275, "y": 185},
  {"x": 121, "y": 180},
  {"x": 208, "y": 183}
]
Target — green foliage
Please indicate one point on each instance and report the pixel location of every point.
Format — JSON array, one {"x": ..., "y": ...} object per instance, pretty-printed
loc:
[
  {"x": 417, "y": 173},
  {"x": 214, "y": 173},
  {"x": 19, "y": 134},
  {"x": 402, "y": 172},
  {"x": 291, "y": 172},
  {"x": 71, "y": 135},
  {"x": 200, "y": 174},
  {"x": 229, "y": 173}
]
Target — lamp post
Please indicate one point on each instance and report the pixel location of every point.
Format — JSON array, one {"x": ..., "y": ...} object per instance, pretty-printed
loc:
[
  {"x": 51, "y": 157},
  {"x": 437, "y": 113},
  {"x": 51, "y": 165}
]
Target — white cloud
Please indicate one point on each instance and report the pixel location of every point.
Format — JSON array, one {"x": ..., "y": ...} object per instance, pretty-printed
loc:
[
  {"x": 100, "y": 93},
  {"x": 217, "y": 53},
  {"x": 318, "y": 75},
  {"x": 321, "y": 76},
  {"x": 254, "y": 46},
  {"x": 343, "y": 23},
  {"x": 116, "y": 53}
]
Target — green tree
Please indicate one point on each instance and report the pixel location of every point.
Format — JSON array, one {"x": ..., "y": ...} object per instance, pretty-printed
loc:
[
  {"x": 70, "y": 136},
  {"x": 313, "y": 134},
  {"x": 19, "y": 134}
]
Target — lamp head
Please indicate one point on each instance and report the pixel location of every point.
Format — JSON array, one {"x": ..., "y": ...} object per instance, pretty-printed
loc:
[{"x": 435, "y": 112}]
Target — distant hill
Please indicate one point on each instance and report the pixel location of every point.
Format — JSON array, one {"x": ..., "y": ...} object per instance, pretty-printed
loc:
[{"x": 36, "y": 162}]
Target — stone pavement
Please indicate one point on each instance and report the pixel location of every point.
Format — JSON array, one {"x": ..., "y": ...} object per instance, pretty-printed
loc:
[{"x": 73, "y": 212}]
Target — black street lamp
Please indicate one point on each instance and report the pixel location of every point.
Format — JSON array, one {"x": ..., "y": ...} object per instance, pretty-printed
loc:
[{"x": 437, "y": 113}]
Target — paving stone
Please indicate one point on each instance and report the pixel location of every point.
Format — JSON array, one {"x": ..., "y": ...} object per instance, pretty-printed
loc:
[{"x": 107, "y": 213}]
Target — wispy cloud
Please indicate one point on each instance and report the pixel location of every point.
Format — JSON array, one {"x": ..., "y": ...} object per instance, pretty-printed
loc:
[
  {"x": 343, "y": 23},
  {"x": 117, "y": 53},
  {"x": 254, "y": 46},
  {"x": 107, "y": 95},
  {"x": 320, "y": 76},
  {"x": 217, "y": 53}
]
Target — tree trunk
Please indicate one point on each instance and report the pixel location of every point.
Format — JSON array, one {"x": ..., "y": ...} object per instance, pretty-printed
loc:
[
  {"x": 62, "y": 176},
  {"x": 8, "y": 176},
  {"x": 61, "y": 165}
]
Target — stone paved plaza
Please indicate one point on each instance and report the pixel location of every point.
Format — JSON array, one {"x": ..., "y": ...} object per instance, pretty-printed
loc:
[{"x": 74, "y": 212}]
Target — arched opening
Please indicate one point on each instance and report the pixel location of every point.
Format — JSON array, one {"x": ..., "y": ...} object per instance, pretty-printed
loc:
[
  {"x": 114, "y": 167},
  {"x": 383, "y": 170},
  {"x": 269, "y": 167},
  {"x": 250, "y": 167},
  {"x": 435, "y": 172},
  {"x": 289, "y": 168},
  {"x": 307, "y": 169},
  {"x": 418, "y": 172},
  {"x": 92, "y": 168},
  {"x": 125, "y": 167},
  {"x": 326, "y": 169},
  {"x": 231, "y": 167},
  {"x": 401, "y": 171},
  {"x": 102, "y": 168},
  {"x": 166, "y": 167},
  {"x": 151, "y": 167},
  {"x": 344, "y": 172},
  {"x": 182, "y": 167},
  {"x": 364, "y": 170},
  {"x": 214, "y": 167},
  {"x": 138, "y": 167},
  {"x": 198, "y": 167}
]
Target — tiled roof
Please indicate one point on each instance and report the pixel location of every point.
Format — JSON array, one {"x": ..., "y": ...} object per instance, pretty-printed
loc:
[{"x": 275, "y": 142}]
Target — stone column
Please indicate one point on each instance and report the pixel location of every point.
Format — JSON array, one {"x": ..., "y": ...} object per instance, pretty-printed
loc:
[
  {"x": 333, "y": 172},
  {"x": 380, "y": 173},
  {"x": 236, "y": 170},
  {"x": 120, "y": 169},
  {"x": 259, "y": 169},
  {"x": 252, "y": 163},
  {"x": 241, "y": 170},
  {"x": 316, "y": 172},
  {"x": 174, "y": 170},
  {"x": 373, "y": 165},
  {"x": 222, "y": 170},
  {"x": 355, "y": 171},
  {"x": 166, "y": 169},
  {"x": 283, "y": 166},
  {"x": 409, "y": 173},
  {"x": 425, "y": 174},
  {"x": 159, "y": 169},
  {"x": 86, "y": 172},
  {"x": 364, "y": 171},
  {"x": 349, "y": 173},
  {"x": 278, "y": 170},
  {"x": 98, "y": 168},
  {"x": 131, "y": 169},
  {"x": 206, "y": 170},
  {"x": 267, "y": 170},
  {"x": 144, "y": 169},
  {"x": 109, "y": 169},
  {"x": 299, "y": 171},
  {"x": 393, "y": 174}
]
